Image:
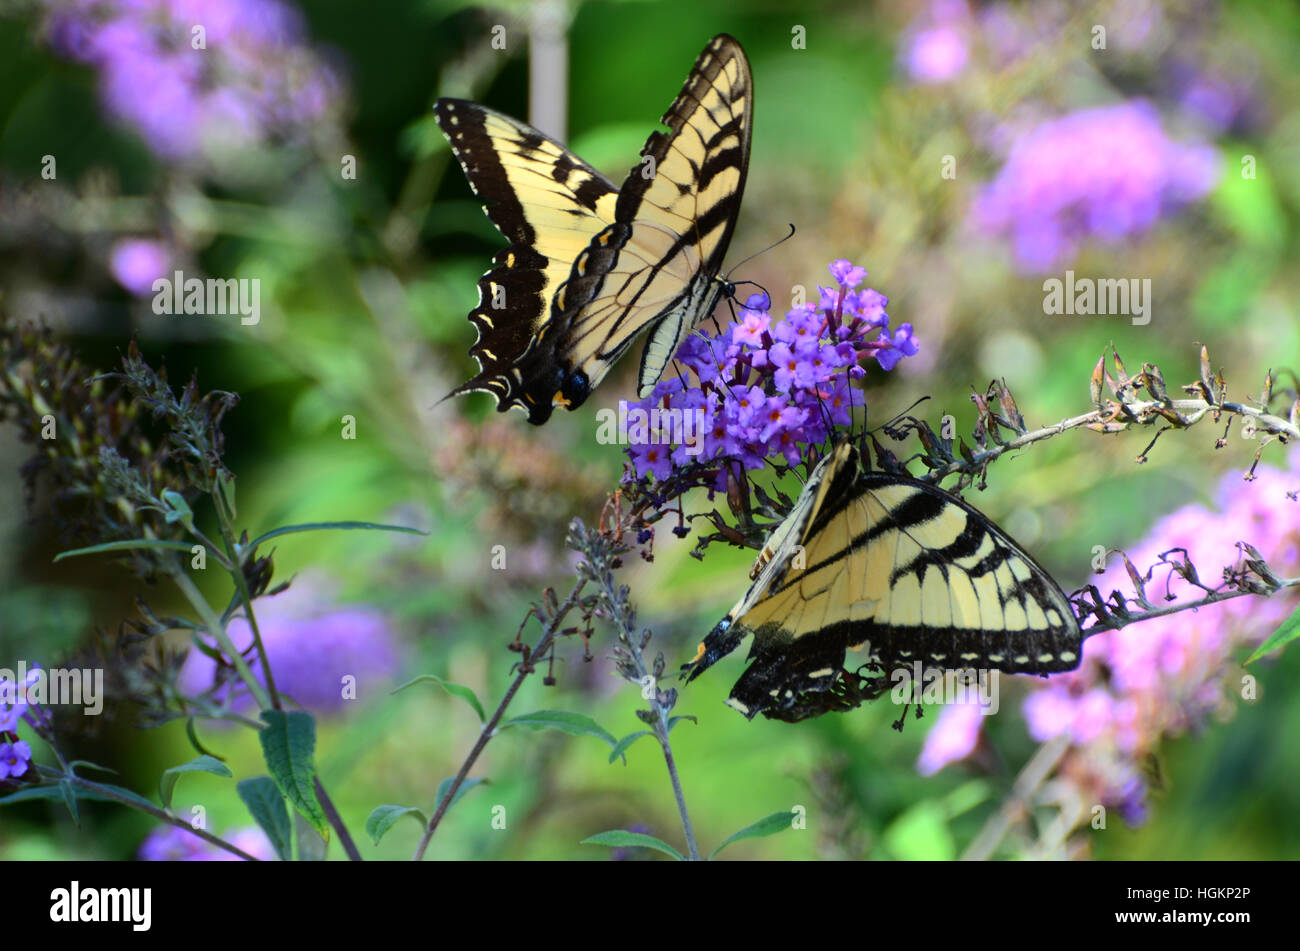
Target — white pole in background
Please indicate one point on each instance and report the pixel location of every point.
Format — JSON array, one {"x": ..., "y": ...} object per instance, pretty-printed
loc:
[{"x": 548, "y": 67}]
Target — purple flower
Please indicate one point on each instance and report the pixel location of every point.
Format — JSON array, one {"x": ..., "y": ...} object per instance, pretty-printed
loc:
[
  {"x": 902, "y": 344},
  {"x": 321, "y": 655},
  {"x": 653, "y": 458},
  {"x": 936, "y": 55},
  {"x": 952, "y": 738},
  {"x": 1164, "y": 677},
  {"x": 136, "y": 263},
  {"x": 751, "y": 328},
  {"x": 15, "y": 759},
  {"x": 1107, "y": 173},
  {"x": 11, "y": 710},
  {"x": 251, "y": 81},
  {"x": 174, "y": 844},
  {"x": 766, "y": 387},
  {"x": 846, "y": 274}
]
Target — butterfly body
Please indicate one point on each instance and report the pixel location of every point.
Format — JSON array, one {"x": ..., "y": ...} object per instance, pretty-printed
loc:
[
  {"x": 897, "y": 570},
  {"x": 590, "y": 268}
]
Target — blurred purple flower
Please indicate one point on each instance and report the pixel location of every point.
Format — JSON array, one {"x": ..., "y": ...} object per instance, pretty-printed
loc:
[
  {"x": 174, "y": 844},
  {"x": 952, "y": 738},
  {"x": 766, "y": 387},
  {"x": 312, "y": 647},
  {"x": 137, "y": 262},
  {"x": 1107, "y": 173},
  {"x": 936, "y": 55},
  {"x": 252, "y": 81},
  {"x": 936, "y": 43}
]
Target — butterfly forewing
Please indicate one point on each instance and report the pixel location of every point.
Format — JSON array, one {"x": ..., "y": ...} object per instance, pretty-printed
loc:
[{"x": 657, "y": 266}]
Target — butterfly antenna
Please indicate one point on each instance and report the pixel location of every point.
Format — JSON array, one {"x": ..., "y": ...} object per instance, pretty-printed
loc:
[{"x": 774, "y": 244}]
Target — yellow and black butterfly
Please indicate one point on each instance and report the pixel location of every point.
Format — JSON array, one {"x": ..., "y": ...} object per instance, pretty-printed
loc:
[
  {"x": 897, "y": 569},
  {"x": 589, "y": 267}
]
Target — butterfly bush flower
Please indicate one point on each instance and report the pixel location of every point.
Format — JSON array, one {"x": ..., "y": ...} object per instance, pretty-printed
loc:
[
  {"x": 769, "y": 387},
  {"x": 1171, "y": 675},
  {"x": 252, "y": 82},
  {"x": 312, "y": 647},
  {"x": 1108, "y": 173},
  {"x": 953, "y": 737},
  {"x": 173, "y": 844}
]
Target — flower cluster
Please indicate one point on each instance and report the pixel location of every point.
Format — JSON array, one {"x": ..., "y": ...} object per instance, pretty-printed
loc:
[
  {"x": 1166, "y": 676},
  {"x": 195, "y": 75},
  {"x": 174, "y": 844},
  {"x": 1107, "y": 173},
  {"x": 765, "y": 387},
  {"x": 320, "y": 658},
  {"x": 16, "y": 707}
]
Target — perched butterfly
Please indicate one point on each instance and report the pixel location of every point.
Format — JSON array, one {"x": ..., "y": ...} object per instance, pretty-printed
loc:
[
  {"x": 895, "y": 568},
  {"x": 589, "y": 267}
]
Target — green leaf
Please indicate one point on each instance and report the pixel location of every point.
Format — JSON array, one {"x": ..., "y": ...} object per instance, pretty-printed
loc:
[
  {"x": 1288, "y": 631},
  {"x": 383, "y": 818},
  {"x": 50, "y": 793},
  {"x": 921, "y": 833},
  {"x": 200, "y": 764},
  {"x": 621, "y": 837},
  {"x": 311, "y": 847},
  {"x": 70, "y": 800},
  {"x": 56, "y": 792},
  {"x": 192, "y": 734},
  {"x": 288, "y": 746},
  {"x": 456, "y": 690},
  {"x": 154, "y": 543},
  {"x": 226, "y": 485},
  {"x": 325, "y": 526},
  {"x": 673, "y": 721},
  {"x": 266, "y": 806},
  {"x": 574, "y": 724},
  {"x": 178, "y": 510},
  {"x": 443, "y": 786},
  {"x": 768, "y": 825},
  {"x": 72, "y": 766},
  {"x": 621, "y": 746}
]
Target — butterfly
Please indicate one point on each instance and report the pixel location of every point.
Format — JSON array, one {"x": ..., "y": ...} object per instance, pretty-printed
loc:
[
  {"x": 589, "y": 267},
  {"x": 897, "y": 569}
]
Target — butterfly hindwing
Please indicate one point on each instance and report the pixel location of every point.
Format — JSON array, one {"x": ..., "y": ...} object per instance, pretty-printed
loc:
[{"x": 899, "y": 570}]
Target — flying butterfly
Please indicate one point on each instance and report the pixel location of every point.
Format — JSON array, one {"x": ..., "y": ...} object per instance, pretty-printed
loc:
[
  {"x": 895, "y": 568},
  {"x": 589, "y": 268}
]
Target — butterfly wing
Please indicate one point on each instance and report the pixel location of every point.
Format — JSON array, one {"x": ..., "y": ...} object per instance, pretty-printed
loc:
[
  {"x": 548, "y": 204},
  {"x": 904, "y": 572},
  {"x": 656, "y": 267}
]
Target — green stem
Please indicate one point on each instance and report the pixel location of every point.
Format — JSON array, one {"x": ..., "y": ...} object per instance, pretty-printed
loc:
[{"x": 218, "y": 630}]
